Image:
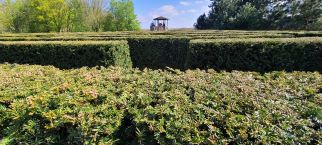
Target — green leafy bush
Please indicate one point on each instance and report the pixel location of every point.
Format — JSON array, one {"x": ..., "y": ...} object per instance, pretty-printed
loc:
[
  {"x": 44, "y": 105},
  {"x": 67, "y": 54},
  {"x": 158, "y": 53},
  {"x": 256, "y": 54}
]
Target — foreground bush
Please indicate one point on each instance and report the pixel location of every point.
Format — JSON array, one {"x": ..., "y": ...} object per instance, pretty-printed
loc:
[
  {"x": 72, "y": 54},
  {"x": 44, "y": 105}
]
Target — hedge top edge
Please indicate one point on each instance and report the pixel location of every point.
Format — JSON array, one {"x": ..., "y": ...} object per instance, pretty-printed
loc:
[
  {"x": 62, "y": 42},
  {"x": 302, "y": 40}
]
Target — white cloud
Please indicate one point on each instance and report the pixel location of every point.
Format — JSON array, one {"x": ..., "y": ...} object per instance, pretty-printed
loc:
[
  {"x": 205, "y": 9},
  {"x": 168, "y": 10},
  {"x": 203, "y": 5},
  {"x": 201, "y": 1},
  {"x": 185, "y": 3},
  {"x": 142, "y": 19},
  {"x": 192, "y": 11}
]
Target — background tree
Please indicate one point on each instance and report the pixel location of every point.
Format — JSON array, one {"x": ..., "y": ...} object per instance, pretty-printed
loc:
[
  {"x": 223, "y": 14},
  {"x": 317, "y": 25},
  {"x": 95, "y": 13},
  {"x": 309, "y": 14},
  {"x": 67, "y": 15},
  {"x": 248, "y": 17},
  {"x": 202, "y": 22},
  {"x": 13, "y": 17},
  {"x": 55, "y": 13},
  {"x": 76, "y": 16},
  {"x": 263, "y": 14},
  {"x": 121, "y": 16}
]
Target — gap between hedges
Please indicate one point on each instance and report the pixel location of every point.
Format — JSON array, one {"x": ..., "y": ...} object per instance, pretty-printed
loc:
[{"x": 256, "y": 54}]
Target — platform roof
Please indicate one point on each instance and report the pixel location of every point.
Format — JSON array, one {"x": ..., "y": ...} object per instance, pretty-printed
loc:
[{"x": 161, "y": 18}]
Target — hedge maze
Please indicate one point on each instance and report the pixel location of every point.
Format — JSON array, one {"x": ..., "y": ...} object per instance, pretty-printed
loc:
[
  {"x": 220, "y": 50},
  {"x": 174, "y": 87}
]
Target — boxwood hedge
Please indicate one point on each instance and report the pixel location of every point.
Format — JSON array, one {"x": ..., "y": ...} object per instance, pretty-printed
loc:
[
  {"x": 71, "y": 54},
  {"x": 158, "y": 53},
  {"x": 44, "y": 105},
  {"x": 262, "y": 55},
  {"x": 178, "y": 33}
]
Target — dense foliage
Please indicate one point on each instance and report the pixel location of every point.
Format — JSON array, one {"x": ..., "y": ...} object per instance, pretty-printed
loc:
[
  {"x": 261, "y": 55},
  {"x": 44, "y": 105},
  {"x": 158, "y": 53},
  {"x": 220, "y": 50},
  {"x": 67, "y": 54},
  {"x": 67, "y": 15},
  {"x": 122, "y": 17},
  {"x": 262, "y": 14},
  {"x": 123, "y": 105}
]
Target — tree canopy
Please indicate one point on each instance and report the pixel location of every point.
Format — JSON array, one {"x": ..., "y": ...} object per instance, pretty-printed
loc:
[
  {"x": 67, "y": 15},
  {"x": 262, "y": 14},
  {"x": 122, "y": 14}
]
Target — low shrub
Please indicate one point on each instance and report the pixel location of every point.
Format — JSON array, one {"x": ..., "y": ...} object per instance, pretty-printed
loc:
[
  {"x": 158, "y": 53},
  {"x": 262, "y": 55},
  {"x": 67, "y": 54},
  {"x": 44, "y": 105}
]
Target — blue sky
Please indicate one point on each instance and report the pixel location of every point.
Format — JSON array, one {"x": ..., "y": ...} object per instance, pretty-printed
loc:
[{"x": 182, "y": 13}]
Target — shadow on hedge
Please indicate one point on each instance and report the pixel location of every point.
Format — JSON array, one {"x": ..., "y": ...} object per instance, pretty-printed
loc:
[{"x": 131, "y": 133}]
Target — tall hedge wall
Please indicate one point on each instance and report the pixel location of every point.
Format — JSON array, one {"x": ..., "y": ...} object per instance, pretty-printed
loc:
[
  {"x": 44, "y": 105},
  {"x": 256, "y": 54},
  {"x": 158, "y": 53},
  {"x": 304, "y": 54},
  {"x": 66, "y": 54}
]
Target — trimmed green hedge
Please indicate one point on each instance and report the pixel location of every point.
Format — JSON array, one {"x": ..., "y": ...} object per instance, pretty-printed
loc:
[
  {"x": 172, "y": 33},
  {"x": 158, "y": 53},
  {"x": 156, "y": 36},
  {"x": 44, "y": 105},
  {"x": 67, "y": 54},
  {"x": 262, "y": 55},
  {"x": 62, "y": 38}
]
